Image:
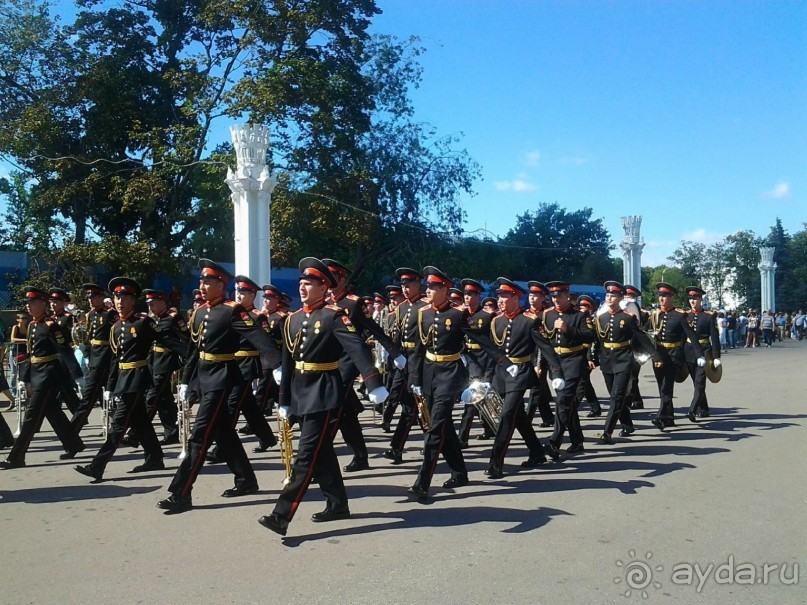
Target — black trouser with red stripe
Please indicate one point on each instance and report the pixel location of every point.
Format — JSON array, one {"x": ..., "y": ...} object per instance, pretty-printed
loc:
[
  {"x": 160, "y": 400},
  {"x": 130, "y": 411},
  {"x": 566, "y": 416},
  {"x": 349, "y": 424},
  {"x": 699, "y": 401},
  {"x": 540, "y": 399},
  {"x": 618, "y": 385},
  {"x": 91, "y": 394},
  {"x": 44, "y": 404},
  {"x": 440, "y": 438},
  {"x": 513, "y": 418},
  {"x": 242, "y": 401},
  {"x": 315, "y": 456},
  {"x": 213, "y": 422}
]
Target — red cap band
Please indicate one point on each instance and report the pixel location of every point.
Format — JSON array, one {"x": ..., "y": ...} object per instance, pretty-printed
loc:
[
  {"x": 665, "y": 290},
  {"x": 154, "y": 296},
  {"x": 208, "y": 272},
  {"x": 559, "y": 289},
  {"x": 242, "y": 285},
  {"x": 124, "y": 290},
  {"x": 507, "y": 288},
  {"x": 616, "y": 289},
  {"x": 436, "y": 279},
  {"x": 310, "y": 271}
]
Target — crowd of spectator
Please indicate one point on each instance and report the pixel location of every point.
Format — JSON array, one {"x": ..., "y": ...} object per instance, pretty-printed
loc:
[{"x": 748, "y": 329}]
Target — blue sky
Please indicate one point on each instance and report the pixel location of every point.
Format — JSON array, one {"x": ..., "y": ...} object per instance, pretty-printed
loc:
[
  {"x": 692, "y": 114},
  {"x": 689, "y": 113}
]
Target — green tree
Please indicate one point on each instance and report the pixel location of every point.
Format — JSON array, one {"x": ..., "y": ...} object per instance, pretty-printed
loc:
[{"x": 742, "y": 249}]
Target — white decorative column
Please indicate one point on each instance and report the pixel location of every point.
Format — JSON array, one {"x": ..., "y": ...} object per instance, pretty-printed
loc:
[
  {"x": 767, "y": 271},
  {"x": 251, "y": 185},
  {"x": 632, "y": 247}
]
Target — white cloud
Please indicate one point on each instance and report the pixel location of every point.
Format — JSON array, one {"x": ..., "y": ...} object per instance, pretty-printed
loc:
[
  {"x": 702, "y": 236},
  {"x": 781, "y": 190},
  {"x": 516, "y": 185},
  {"x": 531, "y": 158}
]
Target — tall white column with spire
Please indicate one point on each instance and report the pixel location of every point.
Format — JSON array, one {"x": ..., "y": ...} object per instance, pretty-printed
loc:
[
  {"x": 767, "y": 272},
  {"x": 251, "y": 187},
  {"x": 632, "y": 247}
]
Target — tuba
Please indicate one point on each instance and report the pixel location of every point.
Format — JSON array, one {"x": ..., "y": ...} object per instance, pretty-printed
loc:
[{"x": 487, "y": 402}]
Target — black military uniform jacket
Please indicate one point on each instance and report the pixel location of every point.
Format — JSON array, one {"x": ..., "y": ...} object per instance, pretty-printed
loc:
[
  {"x": 513, "y": 340},
  {"x": 436, "y": 364},
  {"x": 351, "y": 307},
  {"x": 65, "y": 322},
  {"x": 171, "y": 344},
  {"x": 704, "y": 324},
  {"x": 480, "y": 363},
  {"x": 616, "y": 334},
  {"x": 249, "y": 360},
  {"x": 671, "y": 330},
  {"x": 48, "y": 350},
  {"x": 131, "y": 339},
  {"x": 571, "y": 346},
  {"x": 275, "y": 323},
  {"x": 313, "y": 343},
  {"x": 216, "y": 331},
  {"x": 405, "y": 328},
  {"x": 99, "y": 326}
]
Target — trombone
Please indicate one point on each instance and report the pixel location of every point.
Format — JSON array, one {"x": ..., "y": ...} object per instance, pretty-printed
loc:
[{"x": 285, "y": 435}]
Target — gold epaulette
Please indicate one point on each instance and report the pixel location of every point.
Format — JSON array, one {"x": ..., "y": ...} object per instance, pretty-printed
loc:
[
  {"x": 352, "y": 297},
  {"x": 336, "y": 308},
  {"x": 530, "y": 314}
]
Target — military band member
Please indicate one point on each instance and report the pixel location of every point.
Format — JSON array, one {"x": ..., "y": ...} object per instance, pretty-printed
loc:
[
  {"x": 514, "y": 335},
  {"x": 632, "y": 295},
  {"x": 540, "y": 395},
  {"x": 481, "y": 365},
  {"x": 456, "y": 297},
  {"x": 59, "y": 299},
  {"x": 704, "y": 324},
  {"x": 671, "y": 329},
  {"x": 47, "y": 377},
  {"x": 216, "y": 330},
  {"x": 438, "y": 374},
  {"x": 571, "y": 333},
  {"x": 405, "y": 335},
  {"x": 585, "y": 390},
  {"x": 99, "y": 324},
  {"x": 349, "y": 424},
  {"x": 275, "y": 317},
  {"x": 616, "y": 331},
  {"x": 311, "y": 390}
]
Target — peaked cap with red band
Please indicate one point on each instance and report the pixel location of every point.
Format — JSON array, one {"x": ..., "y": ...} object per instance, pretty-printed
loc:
[
  {"x": 557, "y": 286},
  {"x": 405, "y": 274},
  {"x": 435, "y": 276},
  {"x": 614, "y": 287},
  {"x": 92, "y": 290},
  {"x": 270, "y": 290},
  {"x": 491, "y": 300},
  {"x": 58, "y": 294},
  {"x": 213, "y": 270},
  {"x": 537, "y": 287},
  {"x": 313, "y": 268},
  {"x": 394, "y": 290},
  {"x": 124, "y": 285},
  {"x": 632, "y": 290},
  {"x": 695, "y": 291},
  {"x": 455, "y": 294},
  {"x": 665, "y": 288},
  {"x": 586, "y": 300},
  {"x": 242, "y": 282},
  {"x": 32, "y": 293},
  {"x": 197, "y": 296},
  {"x": 152, "y": 295},
  {"x": 335, "y": 267},
  {"x": 471, "y": 286},
  {"x": 379, "y": 298},
  {"x": 508, "y": 286}
]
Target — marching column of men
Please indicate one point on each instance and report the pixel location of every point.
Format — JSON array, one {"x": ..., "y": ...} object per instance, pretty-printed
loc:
[{"x": 234, "y": 359}]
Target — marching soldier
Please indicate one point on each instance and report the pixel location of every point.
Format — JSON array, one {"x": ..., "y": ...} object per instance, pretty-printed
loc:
[
  {"x": 540, "y": 395},
  {"x": 216, "y": 329},
  {"x": 311, "y": 389},
  {"x": 243, "y": 400},
  {"x": 47, "y": 377},
  {"x": 514, "y": 336},
  {"x": 58, "y": 300},
  {"x": 704, "y": 324},
  {"x": 456, "y": 297},
  {"x": 616, "y": 331},
  {"x": 349, "y": 422},
  {"x": 671, "y": 329},
  {"x": 585, "y": 390},
  {"x": 131, "y": 339},
  {"x": 439, "y": 376},
  {"x": 275, "y": 317},
  {"x": 99, "y": 325},
  {"x": 405, "y": 335},
  {"x": 480, "y": 364},
  {"x": 630, "y": 300},
  {"x": 570, "y": 332}
]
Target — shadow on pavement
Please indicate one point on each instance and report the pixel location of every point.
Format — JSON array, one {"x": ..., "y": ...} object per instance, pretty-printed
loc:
[{"x": 70, "y": 493}]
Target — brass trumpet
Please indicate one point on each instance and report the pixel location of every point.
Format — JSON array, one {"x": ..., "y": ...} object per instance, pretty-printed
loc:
[
  {"x": 285, "y": 435},
  {"x": 424, "y": 417}
]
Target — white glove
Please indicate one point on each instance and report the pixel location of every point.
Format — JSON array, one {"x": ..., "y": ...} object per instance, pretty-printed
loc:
[
  {"x": 107, "y": 396},
  {"x": 277, "y": 374},
  {"x": 512, "y": 370},
  {"x": 417, "y": 391},
  {"x": 384, "y": 355},
  {"x": 466, "y": 396},
  {"x": 183, "y": 392},
  {"x": 255, "y": 386},
  {"x": 558, "y": 384},
  {"x": 464, "y": 360},
  {"x": 701, "y": 362},
  {"x": 283, "y": 411},
  {"x": 378, "y": 395},
  {"x": 400, "y": 362},
  {"x": 716, "y": 363}
]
